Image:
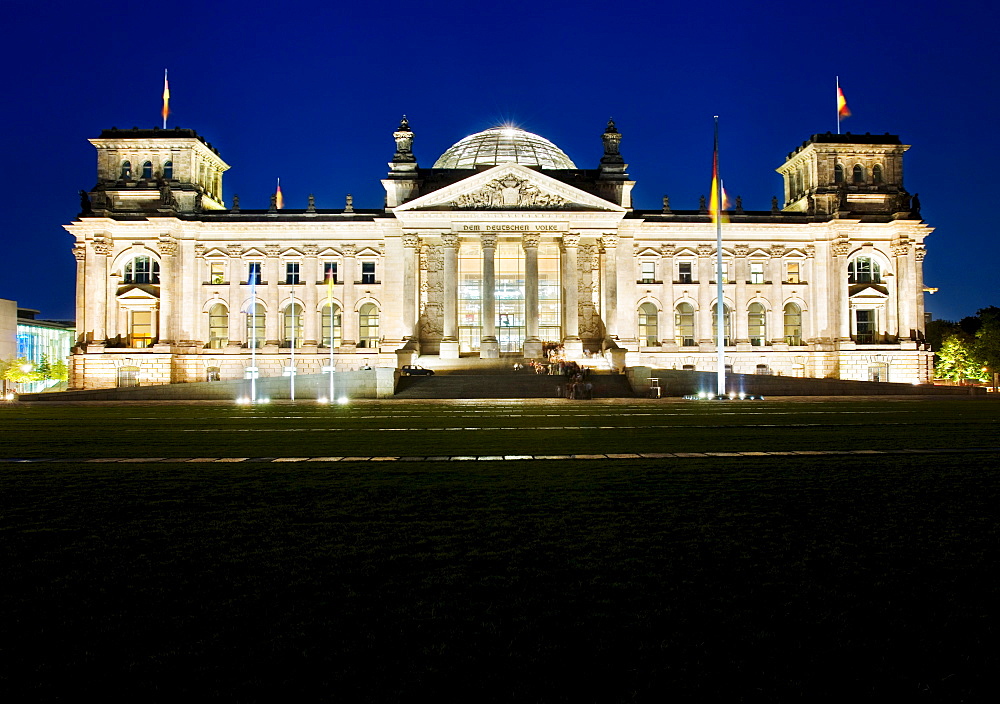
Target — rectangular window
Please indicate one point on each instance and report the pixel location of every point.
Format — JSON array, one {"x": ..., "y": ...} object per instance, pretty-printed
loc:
[
  {"x": 142, "y": 328},
  {"x": 756, "y": 272},
  {"x": 866, "y": 326},
  {"x": 330, "y": 272},
  {"x": 792, "y": 273},
  {"x": 684, "y": 275},
  {"x": 253, "y": 273},
  {"x": 648, "y": 272},
  {"x": 367, "y": 272},
  {"x": 291, "y": 272},
  {"x": 725, "y": 272},
  {"x": 217, "y": 273}
]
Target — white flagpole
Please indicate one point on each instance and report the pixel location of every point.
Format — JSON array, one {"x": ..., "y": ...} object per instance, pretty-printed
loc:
[
  {"x": 253, "y": 336},
  {"x": 720, "y": 305},
  {"x": 836, "y": 103}
]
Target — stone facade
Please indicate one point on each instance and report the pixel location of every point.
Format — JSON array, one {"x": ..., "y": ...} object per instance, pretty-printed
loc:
[{"x": 498, "y": 255}]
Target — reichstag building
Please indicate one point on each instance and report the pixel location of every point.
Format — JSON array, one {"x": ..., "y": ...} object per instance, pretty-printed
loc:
[{"x": 503, "y": 247}]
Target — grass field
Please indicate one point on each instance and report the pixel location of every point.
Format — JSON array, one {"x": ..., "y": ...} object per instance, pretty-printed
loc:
[{"x": 827, "y": 577}]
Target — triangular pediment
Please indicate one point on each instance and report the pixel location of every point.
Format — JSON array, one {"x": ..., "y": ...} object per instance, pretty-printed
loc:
[
  {"x": 136, "y": 293},
  {"x": 509, "y": 187},
  {"x": 868, "y": 294}
]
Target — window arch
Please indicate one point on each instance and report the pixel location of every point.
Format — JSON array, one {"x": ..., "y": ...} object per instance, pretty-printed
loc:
[
  {"x": 838, "y": 173},
  {"x": 864, "y": 270},
  {"x": 168, "y": 170},
  {"x": 647, "y": 325},
  {"x": 126, "y": 172},
  {"x": 757, "y": 324},
  {"x": 858, "y": 175},
  {"x": 793, "y": 324},
  {"x": 368, "y": 319},
  {"x": 141, "y": 270},
  {"x": 147, "y": 169},
  {"x": 293, "y": 326},
  {"x": 684, "y": 324},
  {"x": 255, "y": 325},
  {"x": 726, "y": 322},
  {"x": 218, "y": 326},
  {"x": 331, "y": 315},
  {"x": 877, "y": 174}
]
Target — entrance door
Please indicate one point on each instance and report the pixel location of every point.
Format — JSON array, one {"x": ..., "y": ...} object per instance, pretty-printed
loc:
[{"x": 511, "y": 339}]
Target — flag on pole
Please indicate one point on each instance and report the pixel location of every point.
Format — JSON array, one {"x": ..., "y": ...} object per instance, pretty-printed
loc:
[
  {"x": 717, "y": 201},
  {"x": 279, "y": 200},
  {"x": 842, "y": 110},
  {"x": 166, "y": 98}
]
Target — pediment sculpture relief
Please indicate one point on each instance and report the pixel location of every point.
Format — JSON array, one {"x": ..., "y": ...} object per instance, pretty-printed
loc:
[{"x": 510, "y": 192}]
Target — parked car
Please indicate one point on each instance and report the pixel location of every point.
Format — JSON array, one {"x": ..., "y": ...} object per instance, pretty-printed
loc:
[{"x": 415, "y": 370}]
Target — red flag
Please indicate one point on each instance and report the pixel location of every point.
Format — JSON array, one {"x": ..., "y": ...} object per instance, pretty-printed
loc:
[
  {"x": 842, "y": 110},
  {"x": 166, "y": 99},
  {"x": 279, "y": 200}
]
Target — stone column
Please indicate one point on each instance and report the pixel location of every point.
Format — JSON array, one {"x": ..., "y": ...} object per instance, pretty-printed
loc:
[
  {"x": 837, "y": 288},
  {"x": 918, "y": 287},
  {"x": 741, "y": 298},
  {"x": 411, "y": 245},
  {"x": 609, "y": 284},
  {"x": 532, "y": 344},
  {"x": 165, "y": 324},
  {"x": 706, "y": 292},
  {"x": 82, "y": 318},
  {"x": 348, "y": 317},
  {"x": 273, "y": 322},
  {"x": 489, "y": 347},
  {"x": 237, "y": 317},
  {"x": 571, "y": 327},
  {"x": 449, "y": 343},
  {"x": 97, "y": 277},
  {"x": 776, "y": 276},
  {"x": 310, "y": 298},
  {"x": 906, "y": 325}
]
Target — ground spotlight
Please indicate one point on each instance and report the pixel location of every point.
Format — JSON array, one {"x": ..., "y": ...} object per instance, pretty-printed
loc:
[{"x": 342, "y": 400}]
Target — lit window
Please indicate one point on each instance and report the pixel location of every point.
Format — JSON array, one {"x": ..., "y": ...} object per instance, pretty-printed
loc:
[
  {"x": 126, "y": 172},
  {"x": 147, "y": 170},
  {"x": 793, "y": 324},
  {"x": 756, "y": 272},
  {"x": 647, "y": 325},
  {"x": 291, "y": 272},
  {"x": 792, "y": 273},
  {"x": 725, "y": 272},
  {"x": 864, "y": 270},
  {"x": 331, "y": 319},
  {"x": 218, "y": 326},
  {"x": 128, "y": 377},
  {"x": 684, "y": 324},
  {"x": 141, "y": 270},
  {"x": 329, "y": 272},
  {"x": 293, "y": 326},
  {"x": 255, "y": 325},
  {"x": 757, "y": 324},
  {"x": 866, "y": 331},
  {"x": 168, "y": 170},
  {"x": 253, "y": 273},
  {"x": 877, "y": 174},
  {"x": 367, "y": 272},
  {"x": 648, "y": 272},
  {"x": 368, "y": 318},
  {"x": 859, "y": 174},
  {"x": 141, "y": 332},
  {"x": 684, "y": 274},
  {"x": 217, "y": 272}
]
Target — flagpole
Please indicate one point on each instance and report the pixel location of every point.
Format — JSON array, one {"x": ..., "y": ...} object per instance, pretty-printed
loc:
[
  {"x": 719, "y": 304},
  {"x": 836, "y": 103},
  {"x": 292, "y": 372},
  {"x": 253, "y": 336},
  {"x": 329, "y": 299}
]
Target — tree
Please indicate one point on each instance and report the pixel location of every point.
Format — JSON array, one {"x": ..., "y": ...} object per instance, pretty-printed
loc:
[
  {"x": 987, "y": 345},
  {"x": 21, "y": 370},
  {"x": 60, "y": 372}
]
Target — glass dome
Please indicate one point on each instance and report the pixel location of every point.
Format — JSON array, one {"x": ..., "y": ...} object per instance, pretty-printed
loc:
[{"x": 504, "y": 145}]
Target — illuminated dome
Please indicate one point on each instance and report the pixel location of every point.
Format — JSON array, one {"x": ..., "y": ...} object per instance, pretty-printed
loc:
[{"x": 504, "y": 145}]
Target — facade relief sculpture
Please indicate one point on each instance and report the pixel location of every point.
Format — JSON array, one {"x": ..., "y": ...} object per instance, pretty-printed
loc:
[{"x": 510, "y": 192}]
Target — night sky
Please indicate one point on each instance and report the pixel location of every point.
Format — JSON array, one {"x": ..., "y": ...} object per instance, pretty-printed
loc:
[{"x": 311, "y": 92}]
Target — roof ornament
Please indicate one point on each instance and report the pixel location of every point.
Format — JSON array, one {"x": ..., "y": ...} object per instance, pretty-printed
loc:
[
  {"x": 404, "y": 142},
  {"x": 612, "y": 138}
]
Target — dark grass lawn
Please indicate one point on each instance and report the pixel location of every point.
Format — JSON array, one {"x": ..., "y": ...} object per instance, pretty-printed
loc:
[{"x": 807, "y": 579}]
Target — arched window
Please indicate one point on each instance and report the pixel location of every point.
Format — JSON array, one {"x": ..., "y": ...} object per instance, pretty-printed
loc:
[
  {"x": 877, "y": 174},
  {"x": 255, "y": 325},
  {"x": 726, "y": 321},
  {"x": 126, "y": 172},
  {"x": 684, "y": 325},
  {"x": 331, "y": 318},
  {"x": 147, "y": 169},
  {"x": 168, "y": 170},
  {"x": 218, "y": 326},
  {"x": 141, "y": 270},
  {"x": 757, "y": 324},
  {"x": 647, "y": 325},
  {"x": 864, "y": 270},
  {"x": 293, "y": 326},
  {"x": 838, "y": 173},
  {"x": 859, "y": 174},
  {"x": 793, "y": 324},
  {"x": 368, "y": 319}
]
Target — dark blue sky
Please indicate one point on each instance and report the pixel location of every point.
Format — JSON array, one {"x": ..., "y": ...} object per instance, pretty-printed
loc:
[{"x": 311, "y": 92}]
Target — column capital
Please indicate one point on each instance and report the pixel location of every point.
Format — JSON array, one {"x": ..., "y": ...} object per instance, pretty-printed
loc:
[
  {"x": 704, "y": 250},
  {"x": 530, "y": 240},
  {"x": 410, "y": 240},
  {"x": 310, "y": 250},
  {"x": 103, "y": 247},
  {"x": 741, "y": 250},
  {"x": 571, "y": 239},
  {"x": 450, "y": 241},
  {"x": 349, "y": 250},
  {"x": 489, "y": 241},
  {"x": 80, "y": 252},
  {"x": 840, "y": 248},
  {"x": 609, "y": 241},
  {"x": 234, "y": 250},
  {"x": 919, "y": 251},
  {"x": 167, "y": 246},
  {"x": 777, "y": 251},
  {"x": 668, "y": 250},
  {"x": 272, "y": 250}
]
